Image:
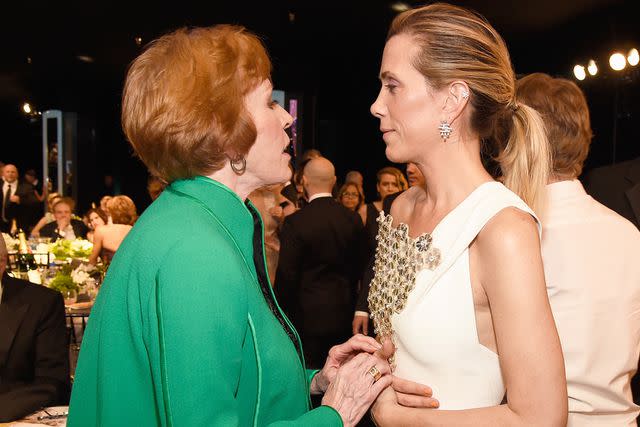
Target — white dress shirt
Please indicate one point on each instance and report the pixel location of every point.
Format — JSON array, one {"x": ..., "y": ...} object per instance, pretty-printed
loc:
[
  {"x": 5, "y": 187},
  {"x": 318, "y": 195},
  {"x": 592, "y": 269}
]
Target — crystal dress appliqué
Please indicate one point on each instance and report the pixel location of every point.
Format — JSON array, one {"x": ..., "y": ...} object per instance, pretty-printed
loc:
[{"x": 398, "y": 259}]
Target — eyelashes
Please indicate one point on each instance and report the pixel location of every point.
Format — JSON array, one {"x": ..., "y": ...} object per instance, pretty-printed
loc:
[
  {"x": 390, "y": 87},
  {"x": 273, "y": 103}
]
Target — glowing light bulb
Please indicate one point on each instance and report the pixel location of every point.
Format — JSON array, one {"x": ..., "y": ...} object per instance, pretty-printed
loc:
[
  {"x": 617, "y": 61},
  {"x": 26, "y": 107},
  {"x": 579, "y": 72},
  {"x": 592, "y": 68},
  {"x": 633, "y": 57}
]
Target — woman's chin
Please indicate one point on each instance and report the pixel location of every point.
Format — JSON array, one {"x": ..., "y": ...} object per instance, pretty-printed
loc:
[{"x": 392, "y": 155}]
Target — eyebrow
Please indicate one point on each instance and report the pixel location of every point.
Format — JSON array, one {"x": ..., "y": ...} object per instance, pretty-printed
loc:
[{"x": 386, "y": 75}]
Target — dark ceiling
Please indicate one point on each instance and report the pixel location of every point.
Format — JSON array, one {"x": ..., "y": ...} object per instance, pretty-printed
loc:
[{"x": 327, "y": 50}]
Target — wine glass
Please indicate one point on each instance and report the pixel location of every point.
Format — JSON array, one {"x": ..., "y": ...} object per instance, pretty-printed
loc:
[{"x": 70, "y": 296}]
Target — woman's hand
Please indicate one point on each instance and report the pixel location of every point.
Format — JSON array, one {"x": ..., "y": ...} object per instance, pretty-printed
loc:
[
  {"x": 339, "y": 355},
  {"x": 356, "y": 385},
  {"x": 386, "y": 402},
  {"x": 412, "y": 394}
]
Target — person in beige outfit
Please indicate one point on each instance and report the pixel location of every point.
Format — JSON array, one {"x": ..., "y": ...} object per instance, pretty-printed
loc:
[{"x": 590, "y": 256}]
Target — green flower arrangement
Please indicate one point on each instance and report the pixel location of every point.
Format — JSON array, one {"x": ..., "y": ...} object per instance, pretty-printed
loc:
[
  {"x": 62, "y": 281},
  {"x": 63, "y": 249}
]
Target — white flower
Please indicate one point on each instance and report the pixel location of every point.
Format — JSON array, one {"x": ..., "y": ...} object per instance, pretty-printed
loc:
[{"x": 79, "y": 276}]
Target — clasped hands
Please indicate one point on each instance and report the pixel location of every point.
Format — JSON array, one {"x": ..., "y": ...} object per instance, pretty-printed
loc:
[{"x": 357, "y": 372}]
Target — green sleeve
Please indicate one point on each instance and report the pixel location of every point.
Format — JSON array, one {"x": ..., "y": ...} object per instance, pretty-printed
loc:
[
  {"x": 202, "y": 319},
  {"x": 310, "y": 374},
  {"x": 322, "y": 416}
]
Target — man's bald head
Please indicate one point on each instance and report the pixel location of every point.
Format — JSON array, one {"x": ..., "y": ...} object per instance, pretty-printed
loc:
[
  {"x": 10, "y": 173},
  {"x": 319, "y": 176}
]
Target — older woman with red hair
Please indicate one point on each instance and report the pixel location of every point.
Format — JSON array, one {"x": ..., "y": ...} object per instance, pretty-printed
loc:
[{"x": 186, "y": 330}]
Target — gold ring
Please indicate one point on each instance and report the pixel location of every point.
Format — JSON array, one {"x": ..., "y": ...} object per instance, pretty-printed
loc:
[{"x": 375, "y": 373}]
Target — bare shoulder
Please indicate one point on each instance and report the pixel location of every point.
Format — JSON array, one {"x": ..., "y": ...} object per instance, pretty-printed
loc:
[
  {"x": 403, "y": 205},
  {"x": 510, "y": 231}
]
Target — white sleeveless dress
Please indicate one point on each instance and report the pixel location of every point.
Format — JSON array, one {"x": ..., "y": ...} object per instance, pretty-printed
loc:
[{"x": 432, "y": 317}]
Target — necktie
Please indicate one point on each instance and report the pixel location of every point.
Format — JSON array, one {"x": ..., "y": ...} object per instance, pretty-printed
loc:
[{"x": 5, "y": 202}]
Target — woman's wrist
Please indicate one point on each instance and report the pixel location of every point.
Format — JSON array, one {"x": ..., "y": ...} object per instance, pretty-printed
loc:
[{"x": 319, "y": 383}]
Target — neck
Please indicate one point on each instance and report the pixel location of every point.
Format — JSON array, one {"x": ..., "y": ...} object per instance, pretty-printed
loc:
[
  {"x": 452, "y": 171},
  {"x": 242, "y": 185},
  {"x": 311, "y": 191},
  {"x": 558, "y": 178}
]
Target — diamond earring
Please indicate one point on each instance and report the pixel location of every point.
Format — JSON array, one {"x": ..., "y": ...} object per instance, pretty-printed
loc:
[
  {"x": 465, "y": 94},
  {"x": 445, "y": 130}
]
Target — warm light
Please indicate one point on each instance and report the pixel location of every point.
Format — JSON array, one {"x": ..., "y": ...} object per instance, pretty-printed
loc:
[
  {"x": 400, "y": 6},
  {"x": 617, "y": 61},
  {"x": 26, "y": 108},
  {"x": 579, "y": 72},
  {"x": 138, "y": 40},
  {"x": 633, "y": 57},
  {"x": 592, "y": 68},
  {"x": 85, "y": 58}
]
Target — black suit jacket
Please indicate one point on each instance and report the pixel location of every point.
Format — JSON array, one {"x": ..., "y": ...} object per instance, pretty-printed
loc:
[
  {"x": 362, "y": 304},
  {"x": 34, "y": 352},
  {"x": 321, "y": 259},
  {"x": 618, "y": 188},
  {"x": 23, "y": 212},
  {"x": 50, "y": 230}
]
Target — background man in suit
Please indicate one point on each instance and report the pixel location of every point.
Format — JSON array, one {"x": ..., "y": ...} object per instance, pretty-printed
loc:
[
  {"x": 618, "y": 188},
  {"x": 320, "y": 261},
  {"x": 34, "y": 356},
  {"x": 18, "y": 201},
  {"x": 64, "y": 226}
]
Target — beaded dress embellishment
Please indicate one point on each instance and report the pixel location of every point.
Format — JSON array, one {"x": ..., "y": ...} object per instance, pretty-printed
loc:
[{"x": 397, "y": 261}]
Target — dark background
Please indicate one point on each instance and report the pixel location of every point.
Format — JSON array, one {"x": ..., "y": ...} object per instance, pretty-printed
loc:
[{"x": 329, "y": 51}]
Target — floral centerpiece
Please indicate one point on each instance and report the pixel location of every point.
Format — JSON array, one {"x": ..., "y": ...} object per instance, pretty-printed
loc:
[
  {"x": 62, "y": 281},
  {"x": 73, "y": 281},
  {"x": 64, "y": 249}
]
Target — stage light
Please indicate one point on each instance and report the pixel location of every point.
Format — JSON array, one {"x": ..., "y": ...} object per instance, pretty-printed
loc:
[
  {"x": 592, "y": 68},
  {"x": 579, "y": 72},
  {"x": 26, "y": 108},
  {"x": 617, "y": 61},
  {"x": 633, "y": 57},
  {"x": 85, "y": 58}
]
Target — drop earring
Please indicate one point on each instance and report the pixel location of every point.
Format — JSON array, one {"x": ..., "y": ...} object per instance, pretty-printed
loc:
[{"x": 445, "y": 130}]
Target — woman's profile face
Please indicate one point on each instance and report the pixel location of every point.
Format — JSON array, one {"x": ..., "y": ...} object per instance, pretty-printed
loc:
[
  {"x": 267, "y": 160},
  {"x": 350, "y": 197},
  {"x": 408, "y": 108},
  {"x": 388, "y": 185},
  {"x": 95, "y": 220}
]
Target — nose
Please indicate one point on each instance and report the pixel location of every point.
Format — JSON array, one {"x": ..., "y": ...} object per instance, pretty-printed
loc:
[
  {"x": 287, "y": 119},
  {"x": 377, "y": 108}
]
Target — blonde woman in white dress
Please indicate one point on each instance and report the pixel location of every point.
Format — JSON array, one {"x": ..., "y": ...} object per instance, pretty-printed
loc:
[{"x": 459, "y": 284}]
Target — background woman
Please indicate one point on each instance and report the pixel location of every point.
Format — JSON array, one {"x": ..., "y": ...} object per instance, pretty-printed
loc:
[
  {"x": 95, "y": 217},
  {"x": 108, "y": 237},
  {"x": 459, "y": 283},
  {"x": 389, "y": 180},
  {"x": 48, "y": 216},
  {"x": 350, "y": 197}
]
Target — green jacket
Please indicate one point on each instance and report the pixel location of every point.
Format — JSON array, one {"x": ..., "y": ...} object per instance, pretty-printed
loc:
[{"x": 182, "y": 332}]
